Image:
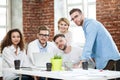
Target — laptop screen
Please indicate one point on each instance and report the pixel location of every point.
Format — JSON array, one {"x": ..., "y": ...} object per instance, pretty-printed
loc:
[{"x": 40, "y": 59}]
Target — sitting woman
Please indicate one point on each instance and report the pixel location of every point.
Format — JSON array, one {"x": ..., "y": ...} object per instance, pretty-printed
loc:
[{"x": 12, "y": 48}]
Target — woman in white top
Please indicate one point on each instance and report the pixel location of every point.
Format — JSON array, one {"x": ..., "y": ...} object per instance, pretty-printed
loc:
[
  {"x": 12, "y": 48},
  {"x": 63, "y": 26}
]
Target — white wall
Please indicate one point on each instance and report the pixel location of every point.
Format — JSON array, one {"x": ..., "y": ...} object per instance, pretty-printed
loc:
[
  {"x": 59, "y": 11},
  {"x": 16, "y": 14}
]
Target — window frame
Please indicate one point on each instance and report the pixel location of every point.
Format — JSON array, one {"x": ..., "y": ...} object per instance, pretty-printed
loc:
[
  {"x": 85, "y": 9},
  {"x": 85, "y": 6},
  {"x": 7, "y": 26},
  {"x": 61, "y": 8}
]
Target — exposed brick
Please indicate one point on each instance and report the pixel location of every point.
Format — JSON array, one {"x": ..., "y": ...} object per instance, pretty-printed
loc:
[
  {"x": 36, "y": 13},
  {"x": 108, "y": 12},
  {"x": 41, "y": 12}
]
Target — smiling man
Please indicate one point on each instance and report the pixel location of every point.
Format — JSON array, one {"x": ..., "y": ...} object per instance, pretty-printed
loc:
[
  {"x": 41, "y": 45},
  {"x": 69, "y": 53},
  {"x": 99, "y": 43}
]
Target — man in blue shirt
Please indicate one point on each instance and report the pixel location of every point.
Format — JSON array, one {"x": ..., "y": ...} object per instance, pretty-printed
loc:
[{"x": 99, "y": 43}]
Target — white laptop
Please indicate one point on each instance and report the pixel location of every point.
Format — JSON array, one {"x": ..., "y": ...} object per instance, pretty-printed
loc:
[{"x": 40, "y": 59}]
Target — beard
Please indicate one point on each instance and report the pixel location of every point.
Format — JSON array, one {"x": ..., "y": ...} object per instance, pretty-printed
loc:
[
  {"x": 65, "y": 46},
  {"x": 44, "y": 44},
  {"x": 79, "y": 23}
]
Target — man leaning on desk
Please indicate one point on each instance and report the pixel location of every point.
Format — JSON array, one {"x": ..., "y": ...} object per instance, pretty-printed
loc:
[
  {"x": 68, "y": 52},
  {"x": 99, "y": 43}
]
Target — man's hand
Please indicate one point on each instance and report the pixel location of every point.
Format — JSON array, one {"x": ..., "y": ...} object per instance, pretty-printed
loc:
[{"x": 77, "y": 65}]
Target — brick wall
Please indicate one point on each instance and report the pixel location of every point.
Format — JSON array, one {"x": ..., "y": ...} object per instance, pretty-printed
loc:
[
  {"x": 108, "y": 12},
  {"x": 41, "y": 12},
  {"x": 36, "y": 13}
]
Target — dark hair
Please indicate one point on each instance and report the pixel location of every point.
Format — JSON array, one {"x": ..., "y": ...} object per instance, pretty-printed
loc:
[
  {"x": 74, "y": 10},
  {"x": 7, "y": 41},
  {"x": 58, "y": 35},
  {"x": 43, "y": 27}
]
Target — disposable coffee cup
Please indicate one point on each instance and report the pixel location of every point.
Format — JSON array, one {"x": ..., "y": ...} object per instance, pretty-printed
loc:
[
  {"x": 85, "y": 65},
  {"x": 17, "y": 64},
  {"x": 49, "y": 66}
]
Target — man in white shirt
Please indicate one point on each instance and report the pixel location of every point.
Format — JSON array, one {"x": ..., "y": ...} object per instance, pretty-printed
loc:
[
  {"x": 68, "y": 52},
  {"x": 41, "y": 45}
]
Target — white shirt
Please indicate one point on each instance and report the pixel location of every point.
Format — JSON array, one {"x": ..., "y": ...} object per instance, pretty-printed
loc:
[
  {"x": 35, "y": 47},
  {"x": 73, "y": 56},
  {"x": 9, "y": 56}
]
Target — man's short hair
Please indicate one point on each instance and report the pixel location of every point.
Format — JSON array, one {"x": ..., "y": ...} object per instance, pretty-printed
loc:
[
  {"x": 74, "y": 10},
  {"x": 58, "y": 35},
  {"x": 43, "y": 27}
]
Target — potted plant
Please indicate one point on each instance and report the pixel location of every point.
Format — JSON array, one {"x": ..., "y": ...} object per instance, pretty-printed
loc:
[{"x": 56, "y": 63}]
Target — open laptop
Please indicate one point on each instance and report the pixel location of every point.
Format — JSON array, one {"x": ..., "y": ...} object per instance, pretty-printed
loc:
[{"x": 40, "y": 59}]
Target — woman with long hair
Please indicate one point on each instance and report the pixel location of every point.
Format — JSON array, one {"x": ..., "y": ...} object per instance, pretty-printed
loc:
[{"x": 12, "y": 48}]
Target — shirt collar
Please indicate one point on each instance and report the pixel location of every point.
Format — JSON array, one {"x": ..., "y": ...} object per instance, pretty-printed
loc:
[
  {"x": 14, "y": 49},
  {"x": 41, "y": 48},
  {"x": 84, "y": 23}
]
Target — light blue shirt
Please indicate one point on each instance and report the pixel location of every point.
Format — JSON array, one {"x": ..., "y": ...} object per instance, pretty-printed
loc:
[
  {"x": 99, "y": 44},
  {"x": 41, "y": 48}
]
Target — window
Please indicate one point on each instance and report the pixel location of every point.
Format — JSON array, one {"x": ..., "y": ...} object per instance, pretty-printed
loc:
[
  {"x": 88, "y": 7},
  {"x": 62, "y": 8},
  {"x": 3, "y": 17}
]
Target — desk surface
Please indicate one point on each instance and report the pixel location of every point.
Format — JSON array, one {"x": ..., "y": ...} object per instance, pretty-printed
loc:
[{"x": 76, "y": 74}]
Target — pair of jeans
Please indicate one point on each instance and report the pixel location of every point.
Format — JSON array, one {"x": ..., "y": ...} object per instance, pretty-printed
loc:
[
  {"x": 114, "y": 66},
  {"x": 25, "y": 77}
]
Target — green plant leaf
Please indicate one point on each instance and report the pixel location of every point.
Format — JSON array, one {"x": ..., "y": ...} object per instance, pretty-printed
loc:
[{"x": 57, "y": 56}]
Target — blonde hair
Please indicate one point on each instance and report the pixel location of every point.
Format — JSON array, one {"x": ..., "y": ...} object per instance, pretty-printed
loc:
[{"x": 65, "y": 20}]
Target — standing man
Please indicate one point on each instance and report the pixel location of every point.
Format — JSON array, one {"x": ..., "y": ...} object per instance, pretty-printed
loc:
[
  {"x": 69, "y": 53},
  {"x": 99, "y": 43}
]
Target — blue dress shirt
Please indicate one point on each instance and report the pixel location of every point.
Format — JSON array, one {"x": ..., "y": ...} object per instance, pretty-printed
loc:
[
  {"x": 99, "y": 44},
  {"x": 41, "y": 48}
]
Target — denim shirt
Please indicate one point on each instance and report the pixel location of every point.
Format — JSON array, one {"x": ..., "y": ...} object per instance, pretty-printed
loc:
[{"x": 99, "y": 44}]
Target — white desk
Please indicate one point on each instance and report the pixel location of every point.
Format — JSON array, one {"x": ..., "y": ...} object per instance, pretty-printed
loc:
[{"x": 76, "y": 74}]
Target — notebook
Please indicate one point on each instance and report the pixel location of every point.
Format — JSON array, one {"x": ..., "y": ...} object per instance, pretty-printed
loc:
[{"x": 40, "y": 59}]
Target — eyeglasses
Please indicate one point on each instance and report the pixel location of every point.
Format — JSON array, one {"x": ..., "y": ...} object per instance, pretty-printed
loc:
[{"x": 45, "y": 35}]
